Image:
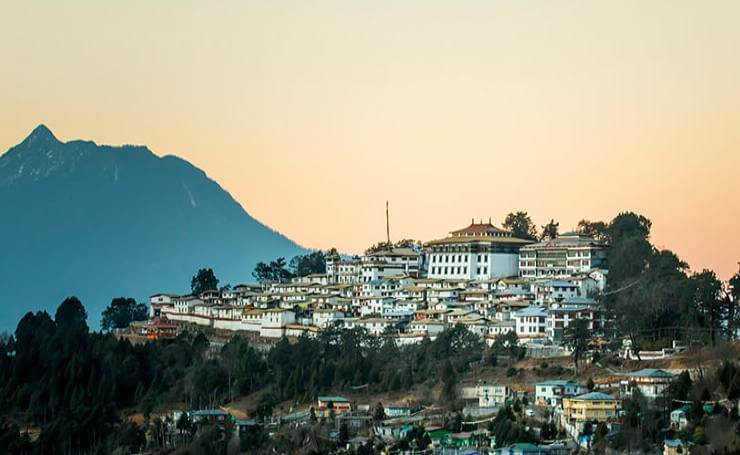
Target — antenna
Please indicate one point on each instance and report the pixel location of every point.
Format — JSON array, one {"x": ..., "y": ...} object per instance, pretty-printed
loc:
[{"x": 387, "y": 225}]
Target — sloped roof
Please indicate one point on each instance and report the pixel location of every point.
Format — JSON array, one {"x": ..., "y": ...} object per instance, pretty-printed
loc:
[
  {"x": 652, "y": 373},
  {"x": 595, "y": 396},
  {"x": 479, "y": 229}
]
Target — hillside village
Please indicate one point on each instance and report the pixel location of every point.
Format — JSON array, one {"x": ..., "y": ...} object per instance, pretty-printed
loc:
[
  {"x": 480, "y": 277},
  {"x": 536, "y": 304}
]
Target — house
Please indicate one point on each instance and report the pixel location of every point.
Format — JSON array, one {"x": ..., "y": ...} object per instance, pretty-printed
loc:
[
  {"x": 531, "y": 322},
  {"x": 650, "y": 382},
  {"x": 244, "y": 425},
  {"x": 497, "y": 327},
  {"x": 427, "y": 327},
  {"x": 522, "y": 448},
  {"x": 551, "y": 393},
  {"x": 185, "y": 304},
  {"x": 376, "y": 326},
  {"x": 328, "y": 405},
  {"x": 160, "y": 303},
  {"x": 679, "y": 419},
  {"x": 559, "y": 317},
  {"x": 491, "y": 395},
  {"x": 398, "y": 410},
  {"x": 565, "y": 255},
  {"x": 296, "y": 418},
  {"x": 675, "y": 447},
  {"x": 274, "y": 322},
  {"x": 217, "y": 416},
  {"x": 555, "y": 291},
  {"x": 160, "y": 328},
  {"x": 391, "y": 261},
  {"x": 342, "y": 271},
  {"x": 590, "y": 407},
  {"x": 326, "y": 318}
]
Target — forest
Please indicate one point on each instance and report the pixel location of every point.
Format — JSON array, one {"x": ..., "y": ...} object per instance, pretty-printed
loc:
[{"x": 74, "y": 384}]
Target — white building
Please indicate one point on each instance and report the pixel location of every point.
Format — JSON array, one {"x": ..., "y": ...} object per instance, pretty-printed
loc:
[
  {"x": 554, "y": 291},
  {"x": 478, "y": 252},
  {"x": 651, "y": 382},
  {"x": 186, "y": 303},
  {"x": 560, "y": 318},
  {"x": 376, "y": 326},
  {"x": 568, "y": 254},
  {"x": 530, "y": 323},
  {"x": 274, "y": 322},
  {"x": 327, "y": 317},
  {"x": 551, "y": 393},
  {"x": 491, "y": 395},
  {"x": 497, "y": 328},
  {"x": 428, "y": 327},
  {"x": 343, "y": 271},
  {"x": 487, "y": 395},
  {"x": 391, "y": 262}
]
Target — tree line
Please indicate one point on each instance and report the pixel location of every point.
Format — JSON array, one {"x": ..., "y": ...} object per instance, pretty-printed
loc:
[{"x": 75, "y": 384}]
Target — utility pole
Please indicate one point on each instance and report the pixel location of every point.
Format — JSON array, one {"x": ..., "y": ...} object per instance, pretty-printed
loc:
[{"x": 388, "y": 226}]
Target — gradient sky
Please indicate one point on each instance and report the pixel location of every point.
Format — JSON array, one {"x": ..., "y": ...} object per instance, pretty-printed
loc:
[{"x": 313, "y": 113}]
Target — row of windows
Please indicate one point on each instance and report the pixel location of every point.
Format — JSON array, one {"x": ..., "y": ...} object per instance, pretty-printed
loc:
[
  {"x": 458, "y": 258},
  {"x": 448, "y": 270},
  {"x": 458, "y": 270},
  {"x": 450, "y": 258}
]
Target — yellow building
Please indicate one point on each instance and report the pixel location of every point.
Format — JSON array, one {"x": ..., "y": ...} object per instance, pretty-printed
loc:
[
  {"x": 327, "y": 406},
  {"x": 591, "y": 407}
]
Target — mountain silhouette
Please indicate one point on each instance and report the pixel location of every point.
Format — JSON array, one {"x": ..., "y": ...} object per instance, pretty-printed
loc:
[{"x": 98, "y": 222}]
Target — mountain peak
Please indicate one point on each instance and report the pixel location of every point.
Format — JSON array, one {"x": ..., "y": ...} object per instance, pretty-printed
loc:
[{"x": 40, "y": 134}]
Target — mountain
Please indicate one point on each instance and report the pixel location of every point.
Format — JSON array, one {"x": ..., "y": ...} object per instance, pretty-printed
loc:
[{"x": 77, "y": 218}]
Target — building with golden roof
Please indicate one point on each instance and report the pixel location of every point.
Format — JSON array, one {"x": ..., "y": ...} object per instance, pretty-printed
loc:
[{"x": 479, "y": 251}]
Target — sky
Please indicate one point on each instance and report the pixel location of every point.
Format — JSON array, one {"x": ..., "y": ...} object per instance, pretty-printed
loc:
[{"x": 313, "y": 114}]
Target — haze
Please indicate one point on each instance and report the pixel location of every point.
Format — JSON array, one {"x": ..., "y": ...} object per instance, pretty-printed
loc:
[{"x": 312, "y": 114}]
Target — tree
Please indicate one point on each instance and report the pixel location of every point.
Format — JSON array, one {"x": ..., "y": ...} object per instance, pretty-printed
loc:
[
  {"x": 404, "y": 243},
  {"x": 520, "y": 225},
  {"x": 274, "y": 272},
  {"x": 628, "y": 224},
  {"x": 120, "y": 313},
  {"x": 508, "y": 344},
  {"x": 597, "y": 229},
  {"x": 71, "y": 315},
  {"x": 630, "y": 248},
  {"x": 706, "y": 294},
  {"x": 184, "y": 425},
  {"x": 627, "y": 259},
  {"x": 308, "y": 264},
  {"x": 343, "y": 433},
  {"x": 550, "y": 230},
  {"x": 576, "y": 337},
  {"x": 204, "y": 280},
  {"x": 379, "y": 414},
  {"x": 731, "y": 301},
  {"x": 449, "y": 383}
]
